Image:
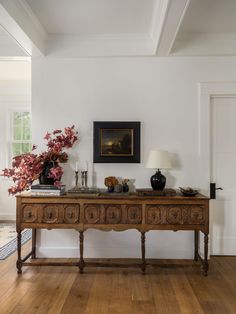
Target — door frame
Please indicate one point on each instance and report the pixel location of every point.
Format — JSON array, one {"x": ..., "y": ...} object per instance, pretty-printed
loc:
[{"x": 208, "y": 90}]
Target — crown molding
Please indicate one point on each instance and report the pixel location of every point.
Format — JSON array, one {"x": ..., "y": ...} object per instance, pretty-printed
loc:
[{"x": 104, "y": 45}]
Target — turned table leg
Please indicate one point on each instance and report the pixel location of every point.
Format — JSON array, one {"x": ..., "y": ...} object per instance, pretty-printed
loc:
[
  {"x": 81, "y": 246},
  {"x": 19, "y": 262},
  {"x": 143, "y": 265},
  {"x": 33, "y": 243},
  {"x": 205, "y": 260},
  {"x": 196, "y": 243}
]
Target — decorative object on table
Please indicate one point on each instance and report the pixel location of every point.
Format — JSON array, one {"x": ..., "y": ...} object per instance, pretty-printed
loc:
[
  {"x": 84, "y": 177},
  {"x": 188, "y": 191},
  {"x": 110, "y": 188},
  {"x": 118, "y": 188},
  {"x": 87, "y": 192},
  {"x": 151, "y": 192},
  {"x": 45, "y": 166},
  {"x": 8, "y": 242},
  {"x": 158, "y": 159},
  {"x": 116, "y": 142},
  {"x": 125, "y": 187},
  {"x": 110, "y": 183},
  {"x": 50, "y": 190},
  {"x": 76, "y": 188}
]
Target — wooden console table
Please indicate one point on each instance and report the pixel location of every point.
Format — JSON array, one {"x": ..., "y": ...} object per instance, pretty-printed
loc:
[{"x": 111, "y": 212}]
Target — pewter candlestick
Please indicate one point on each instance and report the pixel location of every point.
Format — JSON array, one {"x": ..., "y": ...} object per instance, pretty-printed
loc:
[
  {"x": 83, "y": 179},
  {"x": 86, "y": 179},
  {"x": 76, "y": 178}
]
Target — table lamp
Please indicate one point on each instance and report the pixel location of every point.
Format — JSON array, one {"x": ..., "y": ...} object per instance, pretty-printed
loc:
[{"x": 158, "y": 159}]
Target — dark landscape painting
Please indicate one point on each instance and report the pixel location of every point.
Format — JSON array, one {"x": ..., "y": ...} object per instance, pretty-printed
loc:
[{"x": 117, "y": 142}]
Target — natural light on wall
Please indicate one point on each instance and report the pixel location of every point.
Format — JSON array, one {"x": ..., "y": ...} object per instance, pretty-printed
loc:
[
  {"x": 21, "y": 133},
  {"x": 15, "y": 121}
]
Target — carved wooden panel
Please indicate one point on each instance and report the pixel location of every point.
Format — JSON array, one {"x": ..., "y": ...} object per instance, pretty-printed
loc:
[
  {"x": 174, "y": 215},
  {"x": 51, "y": 213},
  {"x": 92, "y": 213},
  {"x": 153, "y": 214},
  {"x": 29, "y": 213},
  {"x": 113, "y": 214},
  {"x": 71, "y": 214},
  {"x": 134, "y": 214},
  {"x": 196, "y": 215},
  {"x": 185, "y": 214}
]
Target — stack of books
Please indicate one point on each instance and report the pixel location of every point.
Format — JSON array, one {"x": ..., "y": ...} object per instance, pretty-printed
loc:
[{"x": 50, "y": 190}]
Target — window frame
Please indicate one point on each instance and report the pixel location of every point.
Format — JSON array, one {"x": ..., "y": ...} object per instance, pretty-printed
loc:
[{"x": 11, "y": 139}]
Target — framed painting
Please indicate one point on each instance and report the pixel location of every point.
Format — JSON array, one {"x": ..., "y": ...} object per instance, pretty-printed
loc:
[{"x": 116, "y": 142}]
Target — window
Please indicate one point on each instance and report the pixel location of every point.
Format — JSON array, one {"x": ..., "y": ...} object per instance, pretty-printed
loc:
[{"x": 21, "y": 133}]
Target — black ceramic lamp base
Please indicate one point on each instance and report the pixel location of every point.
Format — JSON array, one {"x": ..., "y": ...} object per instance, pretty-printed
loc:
[{"x": 158, "y": 181}]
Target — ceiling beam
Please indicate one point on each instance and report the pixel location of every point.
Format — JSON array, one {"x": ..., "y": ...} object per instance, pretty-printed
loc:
[
  {"x": 17, "y": 18},
  {"x": 167, "y": 18}
]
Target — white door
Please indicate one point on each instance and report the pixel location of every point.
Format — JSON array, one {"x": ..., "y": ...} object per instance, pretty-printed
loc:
[{"x": 223, "y": 173}]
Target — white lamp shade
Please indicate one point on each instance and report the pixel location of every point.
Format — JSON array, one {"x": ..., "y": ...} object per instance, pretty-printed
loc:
[{"x": 158, "y": 159}]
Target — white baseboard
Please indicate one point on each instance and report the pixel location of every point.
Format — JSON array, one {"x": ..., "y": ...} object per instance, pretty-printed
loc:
[
  {"x": 8, "y": 217},
  {"x": 105, "y": 252}
]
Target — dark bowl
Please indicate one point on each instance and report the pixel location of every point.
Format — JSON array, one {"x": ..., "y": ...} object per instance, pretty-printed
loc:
[{"x": 188, "y": 193}]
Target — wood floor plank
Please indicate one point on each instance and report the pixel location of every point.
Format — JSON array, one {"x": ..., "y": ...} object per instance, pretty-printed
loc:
[
  {"x": 78, "y": 295},
  {"x": 171, "y": 289},
  {"x": 52, "y": 288},
  {"x": 100, "y": 292},
  {"x": 163, "y": 292},
  {"x": 188, "y": 302},
  {"x": 121, "y": 297},
  {"x": 207, "y": 298}
]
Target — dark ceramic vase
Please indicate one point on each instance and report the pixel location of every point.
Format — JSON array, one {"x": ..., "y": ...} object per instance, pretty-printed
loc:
[
  {"x": 110, "y": 188},
  {"x": 43, "y": 178},
  {"x": 158, "y": 181},
  {"x": 125, "y": 188}
]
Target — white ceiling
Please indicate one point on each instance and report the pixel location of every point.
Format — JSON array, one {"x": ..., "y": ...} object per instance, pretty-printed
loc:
[
  {"x": 93, "y": 16},
  {"x": 94, "y": 28},
  {"x": 210, "y": 16},
  {"x": 208, "y": 28}
]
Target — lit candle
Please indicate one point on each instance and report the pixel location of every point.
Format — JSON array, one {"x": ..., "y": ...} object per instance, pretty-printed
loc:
[{"x": 76, "y": 166}]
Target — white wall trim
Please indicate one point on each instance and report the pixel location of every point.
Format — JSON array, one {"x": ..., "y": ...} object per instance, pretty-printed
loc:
[
  {"x": 14, "y": 58},
  {"x": 207, "y": 90},
  {"x": 7, "y": 216}
]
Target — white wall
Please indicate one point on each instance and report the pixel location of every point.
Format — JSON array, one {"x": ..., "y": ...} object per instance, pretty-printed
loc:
[
  {"x": 162, "y": 93},
  {"x": 15, "y": 94}
]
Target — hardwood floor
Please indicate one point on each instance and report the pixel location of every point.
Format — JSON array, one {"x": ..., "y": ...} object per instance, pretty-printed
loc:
[{"x": 171, "y": 288}]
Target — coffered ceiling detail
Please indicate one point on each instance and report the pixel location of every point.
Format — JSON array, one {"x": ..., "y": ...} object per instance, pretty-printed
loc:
[{"x": 97, "y": 28}]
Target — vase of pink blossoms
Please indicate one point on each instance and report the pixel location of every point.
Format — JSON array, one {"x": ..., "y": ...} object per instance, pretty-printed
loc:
[{"x": 45, "y": 166}]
